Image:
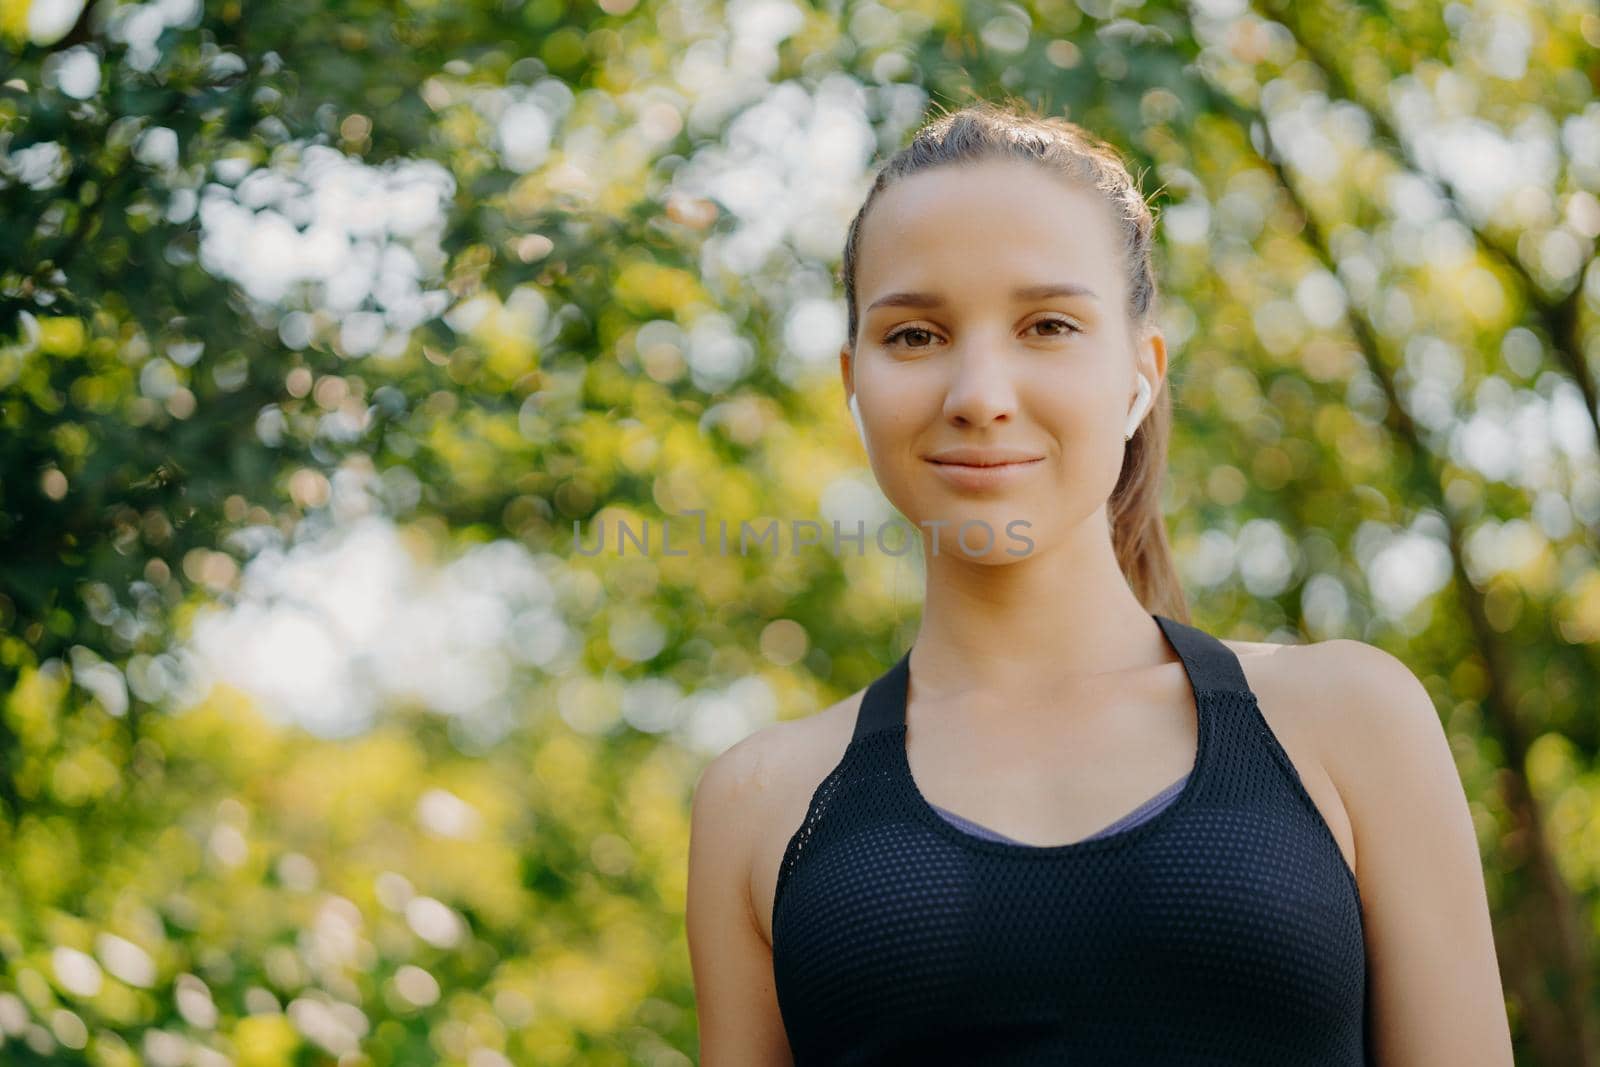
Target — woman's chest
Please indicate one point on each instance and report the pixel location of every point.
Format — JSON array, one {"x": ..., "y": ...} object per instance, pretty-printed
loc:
[
  {"x": 1283, "y": 708},
  {"x": 1226, "y": 915}
]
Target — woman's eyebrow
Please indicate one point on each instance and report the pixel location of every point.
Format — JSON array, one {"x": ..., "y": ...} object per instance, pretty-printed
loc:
[{"x": 1032, "y": 292}]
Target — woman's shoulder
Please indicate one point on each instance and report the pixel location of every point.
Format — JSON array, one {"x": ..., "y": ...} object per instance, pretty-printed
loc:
[
  {"x": 761, "y": 786},
  {"x": 1362, "y": 698},
  {"x": 1322, "y": 677},
  {"x": 800, "y": 752},
  {"x": 772, "y": 770},
  {"x": 1342, "y": 694},
  {"x": 1345, "y": 686}
]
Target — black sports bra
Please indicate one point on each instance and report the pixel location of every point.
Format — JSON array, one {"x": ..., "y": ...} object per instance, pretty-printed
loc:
[{"x": 1224, "y": 929}]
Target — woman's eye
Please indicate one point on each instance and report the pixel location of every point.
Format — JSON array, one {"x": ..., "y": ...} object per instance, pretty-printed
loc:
[
  {"x": 894, "y": 337},
  {"x": 1066, "y": 328}
]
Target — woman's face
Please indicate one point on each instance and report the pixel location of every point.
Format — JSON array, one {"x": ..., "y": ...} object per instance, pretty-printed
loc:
[{"x": 970, "y": 361}]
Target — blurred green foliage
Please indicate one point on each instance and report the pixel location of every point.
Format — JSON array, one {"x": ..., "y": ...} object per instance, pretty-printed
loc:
[{"x": 481, "y": 271}]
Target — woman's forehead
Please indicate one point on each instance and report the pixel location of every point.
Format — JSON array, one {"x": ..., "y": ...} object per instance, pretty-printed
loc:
[{"x": 993, "y": 226}]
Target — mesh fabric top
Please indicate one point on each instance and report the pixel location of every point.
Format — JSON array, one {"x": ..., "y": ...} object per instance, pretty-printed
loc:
[{"x": 1224, "y": 929}]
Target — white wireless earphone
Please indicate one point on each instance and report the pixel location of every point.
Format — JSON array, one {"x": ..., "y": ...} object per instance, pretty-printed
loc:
[
  {"x": 1141, "y": 404},
  {"x": 855, "y": 414}
]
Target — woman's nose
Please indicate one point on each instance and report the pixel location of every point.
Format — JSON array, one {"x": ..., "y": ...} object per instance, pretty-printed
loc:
[{"x": 982, "y": 389}]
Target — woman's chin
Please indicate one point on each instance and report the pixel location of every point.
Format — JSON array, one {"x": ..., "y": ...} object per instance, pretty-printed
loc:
[{"x": 995, "y": 533}]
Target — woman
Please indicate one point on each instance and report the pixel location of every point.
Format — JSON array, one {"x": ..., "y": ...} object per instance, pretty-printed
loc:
[{"x": 934, "y": 870}]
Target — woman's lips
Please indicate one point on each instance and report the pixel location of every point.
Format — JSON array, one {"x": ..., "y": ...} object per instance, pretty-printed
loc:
[{"x": 970, "y": 477}]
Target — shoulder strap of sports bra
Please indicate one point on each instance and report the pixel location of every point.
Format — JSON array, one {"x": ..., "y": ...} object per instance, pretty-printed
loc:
[
  {"x": 1211, "y": 666},
  {"x": 883, "y": 707}
]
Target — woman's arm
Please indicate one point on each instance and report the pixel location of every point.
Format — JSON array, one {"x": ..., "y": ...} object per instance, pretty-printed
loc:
[
  {"x": 1435, "y": 980},
  {"x": 737, "y": 1005}
]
